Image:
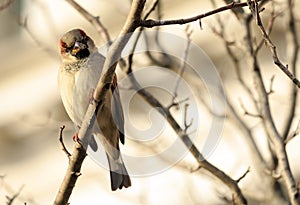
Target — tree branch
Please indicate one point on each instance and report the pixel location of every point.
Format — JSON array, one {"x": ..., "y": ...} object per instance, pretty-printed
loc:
[
  {"x": 238, "y": 197},
  {"x": 233, "y": 114},
  {"x": 61, "y": 140},
  {"x": 274, "y": 136},
  {"x": 243, "y": 176},
  {"x": 277, "y": 141},
  {"x": 182, "y": 68},
  {"x": 152, "y": 23},
  {"x": 255, "y": 13}
]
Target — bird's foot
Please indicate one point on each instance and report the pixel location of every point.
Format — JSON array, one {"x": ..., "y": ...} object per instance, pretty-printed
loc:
[{"x": 75, "y": 137}]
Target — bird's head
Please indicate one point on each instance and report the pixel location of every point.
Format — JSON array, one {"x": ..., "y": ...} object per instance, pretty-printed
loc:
[{"x": 75, "y": 45}]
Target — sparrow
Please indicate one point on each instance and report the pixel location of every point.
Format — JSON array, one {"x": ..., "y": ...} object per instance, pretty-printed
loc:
[{"x": 78, "y": 76}]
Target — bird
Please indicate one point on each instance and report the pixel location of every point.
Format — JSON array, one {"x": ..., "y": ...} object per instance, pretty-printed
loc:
[{"x": 78, "y": 76}]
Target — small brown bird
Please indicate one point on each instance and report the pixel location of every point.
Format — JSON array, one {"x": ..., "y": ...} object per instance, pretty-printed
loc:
[{"x": 78, "y": 75}]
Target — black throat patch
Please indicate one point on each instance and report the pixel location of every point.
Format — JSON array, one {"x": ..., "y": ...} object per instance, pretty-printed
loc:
[{"x": 84, "y": 53}]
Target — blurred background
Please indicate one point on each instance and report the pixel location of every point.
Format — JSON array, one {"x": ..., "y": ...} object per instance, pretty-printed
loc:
[{"x": 31, "y": 111}]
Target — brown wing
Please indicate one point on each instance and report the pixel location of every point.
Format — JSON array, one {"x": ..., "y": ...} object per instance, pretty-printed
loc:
[{"x": 117, "y": 110}]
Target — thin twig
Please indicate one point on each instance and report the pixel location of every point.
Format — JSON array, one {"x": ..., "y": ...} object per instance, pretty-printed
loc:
[
  {"x": 232, "y": 54},
  {"x": 164, "y": 59},
  {"x": 152, "y": 8},
  {"x": 186, "y": 124},
  {"x": 130, "y": 57},
  {"x": 165, "y": 111},
  {"x": 268, "y": 29},
  {"x": 254, "y": 52},
  {"x": 243, "y": 176},
  {"x": 61, "y": 140},
  {"x": 255, "y": 12},
  {"x": 238, "y": 197},
  {"x": 188, "y": 33}
]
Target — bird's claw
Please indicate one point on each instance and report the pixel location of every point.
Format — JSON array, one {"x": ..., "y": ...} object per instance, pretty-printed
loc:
[{"x": 75, "y": 137}]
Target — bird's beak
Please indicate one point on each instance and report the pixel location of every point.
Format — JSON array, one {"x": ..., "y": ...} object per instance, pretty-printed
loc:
[{"x": 78, "y": 47}]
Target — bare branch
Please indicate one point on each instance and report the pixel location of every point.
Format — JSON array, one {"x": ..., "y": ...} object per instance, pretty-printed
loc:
[
  {"x": 186, "y": 124},
  {"x": 152, "y": 23},
  {"x": 62, "y": 142},
  {"x": 238, "y": 197},
  {"x": 188, "y": 33},
  {"x": 130, "y": 57},
  {"x": 237, "y": 120},
  {"x": 237, "y": 194},
  {"x": 268, "y": 29},
  {"x": 164, "y": 59},
  {"x": 243, "y": 176},
  {"x": 255, "y": 12},
  {"x": 165, "y": 111},
  {"x": 235, "y": 60},
  {"x": 152, "y": 8},
  {"x": 274, "y": 136}
]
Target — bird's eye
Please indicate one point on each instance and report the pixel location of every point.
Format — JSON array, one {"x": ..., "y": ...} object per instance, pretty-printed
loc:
[{"x": 69, "y": 48}]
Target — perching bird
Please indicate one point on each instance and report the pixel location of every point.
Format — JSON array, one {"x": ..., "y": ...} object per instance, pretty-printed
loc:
[{"x": 78, "y": 75}]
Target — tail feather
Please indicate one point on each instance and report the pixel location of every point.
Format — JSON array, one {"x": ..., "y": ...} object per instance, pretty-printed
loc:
[{"x": 118, "y": 174}]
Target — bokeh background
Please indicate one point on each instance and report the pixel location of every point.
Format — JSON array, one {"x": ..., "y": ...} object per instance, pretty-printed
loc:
[{"x": 31, "y": 111}]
